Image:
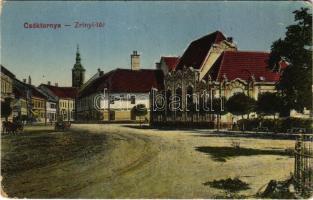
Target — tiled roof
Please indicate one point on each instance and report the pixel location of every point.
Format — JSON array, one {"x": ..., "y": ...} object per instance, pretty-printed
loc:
[
  {"x": 243, "y": 64},
  {"x": 171, "y": 62},
  {"x": 126, "y": 80},
  {"x": 198, "y": 50},
  {"x": 62, "y": 92}
]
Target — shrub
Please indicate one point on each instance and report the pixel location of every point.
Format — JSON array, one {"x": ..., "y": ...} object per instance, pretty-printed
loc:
[{"x": 277, "y": 125}]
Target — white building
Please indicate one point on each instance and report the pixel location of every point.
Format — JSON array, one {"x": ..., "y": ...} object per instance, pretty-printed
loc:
[{"x": 113, "y": 95}]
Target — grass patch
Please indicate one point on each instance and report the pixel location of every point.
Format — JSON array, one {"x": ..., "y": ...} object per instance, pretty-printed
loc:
[{"x": 221, "y": 154}]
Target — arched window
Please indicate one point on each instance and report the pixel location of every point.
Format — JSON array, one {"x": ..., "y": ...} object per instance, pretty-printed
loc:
[
  {"x": 168, "y": 99},
  {"x": 189, "y": 97},
  {"x": 179, "y": 99}
]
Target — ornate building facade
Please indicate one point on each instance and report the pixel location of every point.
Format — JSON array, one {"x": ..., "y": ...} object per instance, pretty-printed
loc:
[{"x": 211, "y": 67}]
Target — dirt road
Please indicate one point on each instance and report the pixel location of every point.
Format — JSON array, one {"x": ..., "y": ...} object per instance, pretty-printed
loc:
[{"x": 146, "y": 163}]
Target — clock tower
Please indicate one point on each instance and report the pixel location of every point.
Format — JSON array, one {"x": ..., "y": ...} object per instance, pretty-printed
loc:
[{"x": 78, "y": 72}]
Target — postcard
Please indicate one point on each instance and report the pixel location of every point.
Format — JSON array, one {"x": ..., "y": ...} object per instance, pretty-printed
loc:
[{"x": 157, "y": 99}]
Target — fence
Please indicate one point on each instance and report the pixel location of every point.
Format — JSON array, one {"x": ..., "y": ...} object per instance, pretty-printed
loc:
[{"x": 303, "y": 170}]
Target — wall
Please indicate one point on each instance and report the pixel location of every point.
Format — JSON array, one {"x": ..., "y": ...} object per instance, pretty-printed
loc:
[
  {"x": 38, "y": 109},
  {"x": 90, "y": 107},
  {"x": 66, "y": 109},
  {"x": 6, "y": 86},
  {"x": 51, "y": 114}
]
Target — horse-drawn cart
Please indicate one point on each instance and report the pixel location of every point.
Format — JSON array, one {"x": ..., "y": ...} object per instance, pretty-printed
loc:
[
  {"x": 12, "y": 127},
  {"x": 62, "y": 126}
]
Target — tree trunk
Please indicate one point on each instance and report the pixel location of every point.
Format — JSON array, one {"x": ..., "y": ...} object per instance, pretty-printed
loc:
[{"x": 243, "y": 124}]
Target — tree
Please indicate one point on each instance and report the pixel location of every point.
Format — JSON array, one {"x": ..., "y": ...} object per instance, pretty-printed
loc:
[
  {"x": 295, "y": 84},
  {"x": 140, "y": 110},
  {"x": 6, "y": 109},
  {"x": 218, "y": 106},
  {"x": 268, "y": 104},
  {"x": 240, "y": 104}
]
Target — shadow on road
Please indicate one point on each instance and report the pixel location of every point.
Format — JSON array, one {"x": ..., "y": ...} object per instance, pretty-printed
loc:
[{"x": 221, "y": 154}]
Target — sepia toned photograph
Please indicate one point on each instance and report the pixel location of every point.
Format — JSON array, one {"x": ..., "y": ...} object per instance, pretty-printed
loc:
[{"x": 156, "y": 100}]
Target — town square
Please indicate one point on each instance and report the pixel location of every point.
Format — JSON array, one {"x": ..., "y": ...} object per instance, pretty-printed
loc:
[{"x": 209, "y": 100}]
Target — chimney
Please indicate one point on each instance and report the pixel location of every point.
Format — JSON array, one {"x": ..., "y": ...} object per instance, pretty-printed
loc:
[
  {"x": 29, "y": 80},
  {"x": 158, "y": 65},
  {"x": 24, "y": 80},
  {"x": 49, "y": 82},
  {"x": 100, "y": 72},
  {"x": 56, "y": 84},
  {"x": 135, "y": 61}
]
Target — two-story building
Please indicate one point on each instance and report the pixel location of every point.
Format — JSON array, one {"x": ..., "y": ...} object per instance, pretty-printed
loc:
[
  {"x": 64, "y": 101},
  {"x": 34, "y": 99},
  {"x": 213, "y": 67},
  {"x": 7, "y": 78},
  {"x": 113, "y": 95}
]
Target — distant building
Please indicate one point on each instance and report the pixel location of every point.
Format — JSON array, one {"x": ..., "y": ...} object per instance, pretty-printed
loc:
[
  {"x": 167, "y": 64},
  {"x": 19, "y": 108},
  {"x": 51, "y": 105},
  {"x": 64, "y": 97},
  {"x": 78, "y": 72},
  {"x": 35, "y": 101},
  {"x": 95, "y": 76}
]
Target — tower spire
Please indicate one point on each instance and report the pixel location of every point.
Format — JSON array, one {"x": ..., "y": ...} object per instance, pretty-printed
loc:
[
  {"x": 78, "y": 71},
  {"x": 78, "y": 59}
]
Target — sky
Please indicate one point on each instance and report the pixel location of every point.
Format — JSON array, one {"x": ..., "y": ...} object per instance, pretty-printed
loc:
[{"x": 154, "y": 29}]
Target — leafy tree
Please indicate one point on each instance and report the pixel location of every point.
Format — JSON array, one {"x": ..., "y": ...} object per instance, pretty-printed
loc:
[
  {"x": 140, "y": 110},
  {"x": 295, "y": 84},
  {"x": 269, "y": 104},
  {"x": 240, "y": 104},
  {"x": 6, "y": 109}
]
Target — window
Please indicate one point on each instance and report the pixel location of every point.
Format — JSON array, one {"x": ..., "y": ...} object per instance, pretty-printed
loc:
[{"x": 132, "y": 99}]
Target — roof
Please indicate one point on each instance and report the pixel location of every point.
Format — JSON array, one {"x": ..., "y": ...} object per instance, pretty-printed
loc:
[
  {"x": 18, "y": 93},
  {"x": 62, "y": 92},
  {"x": 197, "y": 51},
  {"x": 126, "y": 80},
  {"x": 171, "y": 62},
  {"x": 243, "y": 64},
  {"x": 7, "y": 72},
  {"x": 20, "y": 90}
]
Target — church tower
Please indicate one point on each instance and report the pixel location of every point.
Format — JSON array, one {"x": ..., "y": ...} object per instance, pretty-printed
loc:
[{"x": 78, "y": 72}]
